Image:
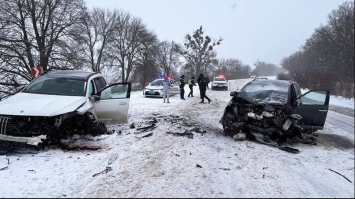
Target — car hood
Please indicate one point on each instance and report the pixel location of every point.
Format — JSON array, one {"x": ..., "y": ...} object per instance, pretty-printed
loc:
[
  {"x": 154, "y": 87},
  {"x": 265, "y": 97},
  {"x": 220, "y": 81},
  {"x": 29, "y": 104}
]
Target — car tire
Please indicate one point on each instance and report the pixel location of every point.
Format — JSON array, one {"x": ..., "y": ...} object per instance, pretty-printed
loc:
[{"x": 93, "y": 127}]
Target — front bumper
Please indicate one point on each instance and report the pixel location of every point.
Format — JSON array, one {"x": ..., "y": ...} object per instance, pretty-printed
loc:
[
  {"x": 28, "y": 140},
  {"x": 220, "y": 86},
  {"x": 153, "y": 93}
]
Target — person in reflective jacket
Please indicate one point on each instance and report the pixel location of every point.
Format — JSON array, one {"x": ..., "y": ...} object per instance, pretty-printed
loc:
[{"x": 191, "y": 83}]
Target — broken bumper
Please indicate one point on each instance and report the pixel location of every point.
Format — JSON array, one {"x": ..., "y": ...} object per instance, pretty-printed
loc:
[{"x": 28, "y": 140}]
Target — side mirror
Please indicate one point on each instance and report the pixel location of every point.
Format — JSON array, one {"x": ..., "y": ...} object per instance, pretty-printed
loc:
[
  {"x": 95, "y": 98},
  {"x": 232, "y": 93}
]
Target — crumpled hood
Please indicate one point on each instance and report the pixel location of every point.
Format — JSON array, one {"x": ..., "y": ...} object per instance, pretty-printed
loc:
[
  {"x": 28, "y": 104},
  {"x": 265, "y": 97}
]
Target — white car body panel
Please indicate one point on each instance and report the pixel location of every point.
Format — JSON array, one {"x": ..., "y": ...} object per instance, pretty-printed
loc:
[
  {"x": 28, "y": 104},
  {"x": 112, "y": 111},
  {"x": 112, "y": 108}
]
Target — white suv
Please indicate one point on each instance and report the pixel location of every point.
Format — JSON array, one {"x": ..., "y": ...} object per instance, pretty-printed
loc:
[{"x": 219, "y": 83}]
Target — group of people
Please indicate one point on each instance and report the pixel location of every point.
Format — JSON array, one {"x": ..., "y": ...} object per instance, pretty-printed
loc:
[{"x": 202, "y": 84}]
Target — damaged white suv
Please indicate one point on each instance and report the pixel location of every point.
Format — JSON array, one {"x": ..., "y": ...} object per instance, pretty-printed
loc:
[{"x": 60, "y": 103}]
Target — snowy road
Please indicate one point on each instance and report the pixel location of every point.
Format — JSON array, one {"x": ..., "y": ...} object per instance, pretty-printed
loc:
[{"x": 164, "y": 165}]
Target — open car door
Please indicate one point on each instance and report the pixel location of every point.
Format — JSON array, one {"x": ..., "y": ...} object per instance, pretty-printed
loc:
[
  {"x": 113, "y": 104},
  {"x": 313, "y": 107}
]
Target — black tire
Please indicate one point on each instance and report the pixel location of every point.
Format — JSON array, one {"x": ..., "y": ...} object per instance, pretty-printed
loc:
[{"x": 93, "y": 127}]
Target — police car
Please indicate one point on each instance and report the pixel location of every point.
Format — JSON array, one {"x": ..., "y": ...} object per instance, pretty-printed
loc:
[
  {"x": 219, "y": 83},
  {"x": 155, "y": 88}
]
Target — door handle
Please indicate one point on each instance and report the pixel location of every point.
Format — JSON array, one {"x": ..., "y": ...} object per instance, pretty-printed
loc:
[
  {"x": 323, "y": 110},
  {"x": 122, "y": 103}
]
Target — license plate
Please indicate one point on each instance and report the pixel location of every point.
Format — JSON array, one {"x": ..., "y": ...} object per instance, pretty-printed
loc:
[
  {"x": 219, "y": 85},
  {"x": 151, "y": 92},
  {"x": 174, "y": 89}
]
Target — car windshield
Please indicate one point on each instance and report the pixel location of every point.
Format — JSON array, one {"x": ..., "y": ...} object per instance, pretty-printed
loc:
[
  {"x": 256, "y": 86},
  {"x": 219, "y": 79},
  {"x": 157, "y": 82},
  {"x": 57, "y": 86}
]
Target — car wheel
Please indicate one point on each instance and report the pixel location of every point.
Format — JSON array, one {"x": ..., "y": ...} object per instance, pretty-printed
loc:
[{"x": 93, "y": 127}]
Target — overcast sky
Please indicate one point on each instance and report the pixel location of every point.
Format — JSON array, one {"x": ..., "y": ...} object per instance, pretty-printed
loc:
[{"x": 268, "y": 30}]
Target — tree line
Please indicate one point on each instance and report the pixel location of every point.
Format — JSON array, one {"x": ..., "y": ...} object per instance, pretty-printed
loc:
[
  {"x": 326, "y": 60},
  {"x": 65, "y": 34}
]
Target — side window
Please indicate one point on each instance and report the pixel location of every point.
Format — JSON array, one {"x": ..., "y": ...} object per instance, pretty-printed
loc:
[
  {"x": 118, "y": 91},
  {"x": 103, "y": 82},
  {"x": 100, "y": 83},
  {"x": 315, "y": 98}
]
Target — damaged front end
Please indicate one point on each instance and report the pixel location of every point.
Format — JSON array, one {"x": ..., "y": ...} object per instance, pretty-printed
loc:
[
  {"x": 40, "y": 131},
  {"x": 264, "y": 116}
]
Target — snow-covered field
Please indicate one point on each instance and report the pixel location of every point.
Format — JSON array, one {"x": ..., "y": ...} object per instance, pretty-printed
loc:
[{"x": 208, "y": 164}]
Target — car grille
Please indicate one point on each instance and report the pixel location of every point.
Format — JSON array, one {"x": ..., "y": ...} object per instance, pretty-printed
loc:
[
  {"x": 3, "y": 124},
  {"x": 22, "y": 125}
]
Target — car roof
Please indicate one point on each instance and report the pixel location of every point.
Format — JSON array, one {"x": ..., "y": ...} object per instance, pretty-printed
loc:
[{"x": 72, "y": 74}]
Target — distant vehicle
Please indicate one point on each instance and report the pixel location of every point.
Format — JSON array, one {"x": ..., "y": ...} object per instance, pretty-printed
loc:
[
  {"x": 273, "y": 111},
  {"x": 253, "y": 76},
  {"x": 260, "y": 78},
  {"x": 219, "y": 83},
  {"x": 60, "y": 103},
  {"x": 155, "y": 88}
]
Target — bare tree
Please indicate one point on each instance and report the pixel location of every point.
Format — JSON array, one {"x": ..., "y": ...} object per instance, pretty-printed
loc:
[
  {"x": 327, "y": 55},
  {"x": 197, "y": 50},
  {"x": 146, "y": 65},
  {"x": 123, "y": 50},
  {"x": 168, "y": 59},
  {"x": 98, "y": 31},
  {"x": 31, "y": 32}
]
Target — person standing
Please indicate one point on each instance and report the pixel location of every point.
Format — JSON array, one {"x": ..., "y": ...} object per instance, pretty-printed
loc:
[
  {"x": 166, "y": 89},
  {"x": 202, "y": 84},
  {"x": 182, "y": 85},
  {"x": 207, "y": 82},
  {"x": 191, "y": 84}
]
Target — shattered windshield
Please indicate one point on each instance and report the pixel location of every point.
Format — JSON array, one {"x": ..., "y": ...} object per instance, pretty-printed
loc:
[
  {"x": 57, "y": 86},
  {"x": 255, "y": 86},
  {"x": 266, "y": 92}
]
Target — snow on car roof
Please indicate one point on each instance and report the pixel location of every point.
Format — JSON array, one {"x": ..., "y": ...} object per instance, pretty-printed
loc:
[{"x": 73, "y": 74}]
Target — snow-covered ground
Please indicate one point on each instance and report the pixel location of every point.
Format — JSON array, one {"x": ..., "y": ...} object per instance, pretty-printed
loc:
[{"x": 209, "y": 164}]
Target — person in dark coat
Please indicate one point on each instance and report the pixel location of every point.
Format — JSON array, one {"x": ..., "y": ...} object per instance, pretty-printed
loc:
[
  {"x": 182, "y": 85},
  {"x": 191, "y": 84},
  {"x": 202, "y": 84}
]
